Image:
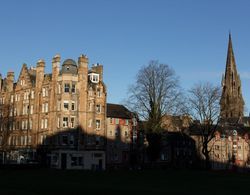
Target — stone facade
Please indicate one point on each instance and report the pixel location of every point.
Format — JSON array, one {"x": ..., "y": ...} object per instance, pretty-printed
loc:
[{"x": 44, "y": 111}]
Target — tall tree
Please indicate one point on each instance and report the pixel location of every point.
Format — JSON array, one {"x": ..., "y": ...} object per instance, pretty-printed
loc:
[
  {"x": 155, "y": 93},
  {"x": 204, "y": 107}
]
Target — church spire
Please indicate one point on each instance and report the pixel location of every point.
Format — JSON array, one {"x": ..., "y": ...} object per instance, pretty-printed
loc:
[
  {"x": 230, "y": 64},
  {"x": 232, "y": 103}
]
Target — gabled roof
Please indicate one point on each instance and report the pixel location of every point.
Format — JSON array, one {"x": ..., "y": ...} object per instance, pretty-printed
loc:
[
  {"x": 31, "y": 73},
  {"x": 118, "y": 111}
]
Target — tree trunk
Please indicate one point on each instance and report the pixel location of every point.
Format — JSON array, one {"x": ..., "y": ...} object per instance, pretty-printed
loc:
[{"x": 206, "y": 154}]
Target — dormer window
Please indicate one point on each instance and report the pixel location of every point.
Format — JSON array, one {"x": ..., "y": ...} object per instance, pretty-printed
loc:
[{"x": 94, "y": 78}]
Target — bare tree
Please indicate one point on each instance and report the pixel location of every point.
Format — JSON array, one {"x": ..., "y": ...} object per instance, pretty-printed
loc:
[
  {"x": 204, "y": 107},
  {"x": 6, "y": 121},
  {"x": 155, "y": 93}
]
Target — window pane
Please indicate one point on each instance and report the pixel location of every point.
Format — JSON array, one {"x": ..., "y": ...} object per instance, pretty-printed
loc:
[{"x": 66, "y": 87}]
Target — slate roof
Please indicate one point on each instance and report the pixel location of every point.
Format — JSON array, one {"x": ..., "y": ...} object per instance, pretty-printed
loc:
[{"x": 118, "y": 111}]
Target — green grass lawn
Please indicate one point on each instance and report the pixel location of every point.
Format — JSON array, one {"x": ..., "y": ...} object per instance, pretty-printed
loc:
[{"x": 155, "y": 182}]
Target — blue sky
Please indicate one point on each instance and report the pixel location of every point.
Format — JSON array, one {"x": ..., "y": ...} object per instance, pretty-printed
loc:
[{"x": 189, "y": 35}]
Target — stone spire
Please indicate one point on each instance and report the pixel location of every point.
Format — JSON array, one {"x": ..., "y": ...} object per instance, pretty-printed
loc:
[{"x": 231, "y": 103}]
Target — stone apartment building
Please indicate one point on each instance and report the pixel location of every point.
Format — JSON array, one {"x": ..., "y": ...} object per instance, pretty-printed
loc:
[{"x": 58, "y": 118}]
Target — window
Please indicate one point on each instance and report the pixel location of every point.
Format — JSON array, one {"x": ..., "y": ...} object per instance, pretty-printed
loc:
[
  {"x": 17, "y": 125},
  {"x": 98, "y": 108},
  {"x": 31, "y": 109},
  {"x": 126, "y": 122},
  {"x": 72, "y": 106},
  {"x": 126, "y": 133},
  {"x": 73, "y": 89},
  {"x": 42, "y": 123},
  {"x": 11, "y": 112},
  {"x": 25, "y": 96},
  {"x": 72, "y": 122},
  {"x": 31, "y": 124},
  {"x": 71, "y": 140},
  {"x": 111, "y": 120},
  {"x": 65, "y": 122},
  {"x": 116, "y": 133},
  {"x": 163, "y": 156},
  {"x": 98, "y": 124},
  {"x": 94, "y": 78},
  {"x": 23, "y": 124},
  {"x": 11, "y": 98},
  {"x": 16, "y": 97},
  {"x": 110, "y": 132},
  {"x": 43, "y": 139},
  {"x": 21, "y": 140},
  {"x": 117, "y": 121},
  {"x": 66, "y": 105},
  {"x": 32, "y": 94},
  {"x": 9, "y": 140},
  {"x": 29, "y": 139},
  {"x": 43, "y": 92},
  {"x": 25, "y": 139},
  {"x": 90, "y": 106},
  {"x": 90, "y": 122},
  {"x": 99, "y": 93},
  {"x": 97, "y": 140},
  {"x": 45, "y": 107},
  {"x": 46, "y": 123},
  {"x": 46, "y": 92},
  {"x": 10, "y": 127},
  {"x": 66, "y": 87},
  {"x": 64, "y": 139},
  {"x": 76, "y": 161},
  {"x": 24, "y": 111}
]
